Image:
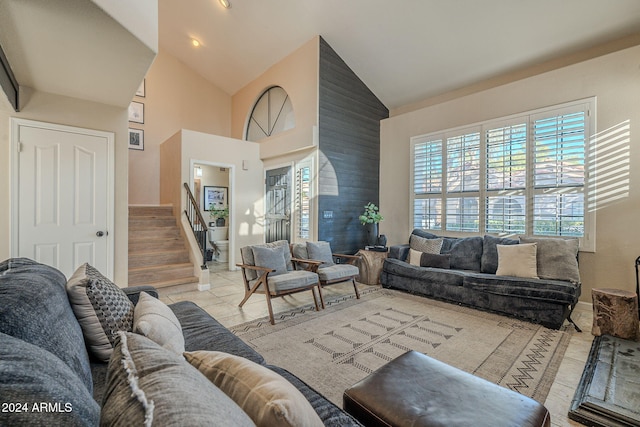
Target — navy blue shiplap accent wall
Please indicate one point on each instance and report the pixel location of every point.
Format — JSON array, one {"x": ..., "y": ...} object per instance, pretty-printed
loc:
[{"x": 349, "y": 144}]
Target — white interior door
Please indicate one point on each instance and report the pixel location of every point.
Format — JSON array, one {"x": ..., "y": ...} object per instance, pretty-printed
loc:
[{"x": 64, "y": 196}]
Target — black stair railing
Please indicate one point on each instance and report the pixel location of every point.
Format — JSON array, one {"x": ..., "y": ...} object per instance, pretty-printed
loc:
[{"x": 198, "y": 224}]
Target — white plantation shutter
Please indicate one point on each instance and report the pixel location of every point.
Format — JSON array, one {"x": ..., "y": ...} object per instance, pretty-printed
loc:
[
  {"x": 462, "y": 213},
  {"x": 559, "y": 142},
  {"x": 506, "y": 179},
  {"x": 463, "y": 163},
  {"x": 427, "y": 167},
  {"x": 525, "y": 174},
  {"x": 427, "y": 184}
]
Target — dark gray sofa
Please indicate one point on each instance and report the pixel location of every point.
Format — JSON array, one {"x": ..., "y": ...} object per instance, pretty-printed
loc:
[
  {"x": 472, "y": 281},
  {"x": 46, "y": 375}
]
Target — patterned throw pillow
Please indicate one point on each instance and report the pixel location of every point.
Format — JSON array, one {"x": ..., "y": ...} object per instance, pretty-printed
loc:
[
  {"x": 102, "y": 309},
  {"x": 429, "y": 246}
]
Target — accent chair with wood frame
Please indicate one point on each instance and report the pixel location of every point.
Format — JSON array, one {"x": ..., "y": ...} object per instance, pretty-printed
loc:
[
  {"x": 319, "y": 258},
  {"x": 269, "y": 269}
]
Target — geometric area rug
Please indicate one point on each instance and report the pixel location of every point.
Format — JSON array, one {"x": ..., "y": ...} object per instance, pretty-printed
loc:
[{"x": 336, "y": 347}]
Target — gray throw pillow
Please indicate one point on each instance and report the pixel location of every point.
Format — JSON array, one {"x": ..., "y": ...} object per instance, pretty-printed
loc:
[
  {"x": 489, "y": 260},
  {"x": 320, "y": 251},
  {"x": 556, "y": 258},
  {"x": 435, "y": 260},
  {"x": 30, "y": 375},
  {"x": 270, "y": 258},
  {"x": 147, "y": 384},
  {"x": 466, "y": 253},
  {"x": 247, "y": 256},
  {"x": 101, "y": 307}
]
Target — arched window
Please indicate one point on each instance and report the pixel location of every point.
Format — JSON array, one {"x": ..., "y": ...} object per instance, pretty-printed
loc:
[{"x": 271, "y": 114}]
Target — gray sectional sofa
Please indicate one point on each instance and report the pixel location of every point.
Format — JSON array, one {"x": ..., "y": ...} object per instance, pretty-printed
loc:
[
  {"x": 469, "y": 277},
  {"x": 47, "y": 376}
]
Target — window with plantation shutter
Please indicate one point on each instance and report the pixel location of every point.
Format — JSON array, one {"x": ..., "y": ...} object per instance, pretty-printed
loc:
[
  {"x": 559, "y": 142},
  {"x": 526, "y": 174}
]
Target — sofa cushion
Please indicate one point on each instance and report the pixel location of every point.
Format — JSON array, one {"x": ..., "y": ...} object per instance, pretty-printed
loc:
[
  {"x": 466, "y": 253},
  {"x": 148, "y": 384},
  {"x": 435, "y": 260},
  {"x": 27, "y": 288},
  {"x": 320, "y": 251},
  {"x": 337, "y": 271},
  {"x": 489, "y": 260},
  {"x": 557, "y": 258},
  {"x": 101, "y": 307},
  {"x": 517, "y": 260},
  {"x": 203, "y": 332},
  {"x": 423, "y": 275},
  {"x": 265, "y": 396},
  {"x": 270, "y": 258},
  {"x": 153, "y": 319},
  {"x": 30, "y": 377},
  {"x": 555, "y": 291},
  {"x": 291, "y": 280}
]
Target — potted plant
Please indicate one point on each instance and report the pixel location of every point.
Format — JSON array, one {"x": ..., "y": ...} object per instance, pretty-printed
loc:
[
  {"x": 370, "y": 219},
  {"x": 219, "y": 214}
]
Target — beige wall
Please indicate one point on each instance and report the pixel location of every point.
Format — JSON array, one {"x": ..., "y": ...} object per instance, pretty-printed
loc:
[
  {"x": 246, "y": 185},
  {"x": 297, "y": 74},
  {"x": 613, "y": 78},
  {"x": 176, "y": 98},
  {"x": 57, "y": 109}
]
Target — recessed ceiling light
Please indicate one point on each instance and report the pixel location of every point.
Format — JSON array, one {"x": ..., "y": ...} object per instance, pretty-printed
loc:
[
  {"x": 225, "y": 4},
  {"x": 195, "y": 42}
]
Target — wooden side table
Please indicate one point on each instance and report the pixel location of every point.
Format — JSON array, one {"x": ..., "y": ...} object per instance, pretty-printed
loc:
[
  {"x": 615, "y": 312},
  {"x": 370, "y": 266}
]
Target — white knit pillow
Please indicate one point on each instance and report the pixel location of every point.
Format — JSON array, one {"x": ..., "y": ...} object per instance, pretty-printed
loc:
[{"x": 155, "y": 320}]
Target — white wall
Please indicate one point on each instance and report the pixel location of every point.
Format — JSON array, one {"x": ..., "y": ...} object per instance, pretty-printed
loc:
[
  {"x": 247, "y": 185},
  {"x": 613, "y": 78},
  {"x": 176, "y": 98}
]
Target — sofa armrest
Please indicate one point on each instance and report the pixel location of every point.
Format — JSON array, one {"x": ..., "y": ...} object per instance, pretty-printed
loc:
[
  {"x": 133, "y": 292},
  {"x": 399, "y": 252}
]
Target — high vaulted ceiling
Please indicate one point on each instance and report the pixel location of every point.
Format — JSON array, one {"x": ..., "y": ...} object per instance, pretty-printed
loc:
[{"x": 404, "y": 50}]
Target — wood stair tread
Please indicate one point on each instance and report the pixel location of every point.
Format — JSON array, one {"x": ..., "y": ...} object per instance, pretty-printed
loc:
[{"x": 162, "y": 267}]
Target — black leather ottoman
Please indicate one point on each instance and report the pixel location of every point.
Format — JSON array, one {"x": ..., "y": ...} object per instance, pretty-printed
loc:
[{"x": 417, "y": 390}]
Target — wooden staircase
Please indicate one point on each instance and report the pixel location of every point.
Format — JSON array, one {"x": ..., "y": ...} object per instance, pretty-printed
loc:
[{"x": 158, "y": 253}]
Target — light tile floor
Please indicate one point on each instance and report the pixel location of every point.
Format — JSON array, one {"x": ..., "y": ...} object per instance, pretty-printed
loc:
[{"x": 227, "y": 290}]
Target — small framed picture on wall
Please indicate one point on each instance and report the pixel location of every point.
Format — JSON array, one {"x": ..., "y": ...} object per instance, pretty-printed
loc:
[
  {"x": 215, "y": 197},
  {"x": 136, "y": 139},
  {"x": 136, "y": 112}
]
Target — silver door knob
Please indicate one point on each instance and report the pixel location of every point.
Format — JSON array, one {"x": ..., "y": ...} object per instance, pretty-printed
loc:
[{"x": 100, "y": 233}]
